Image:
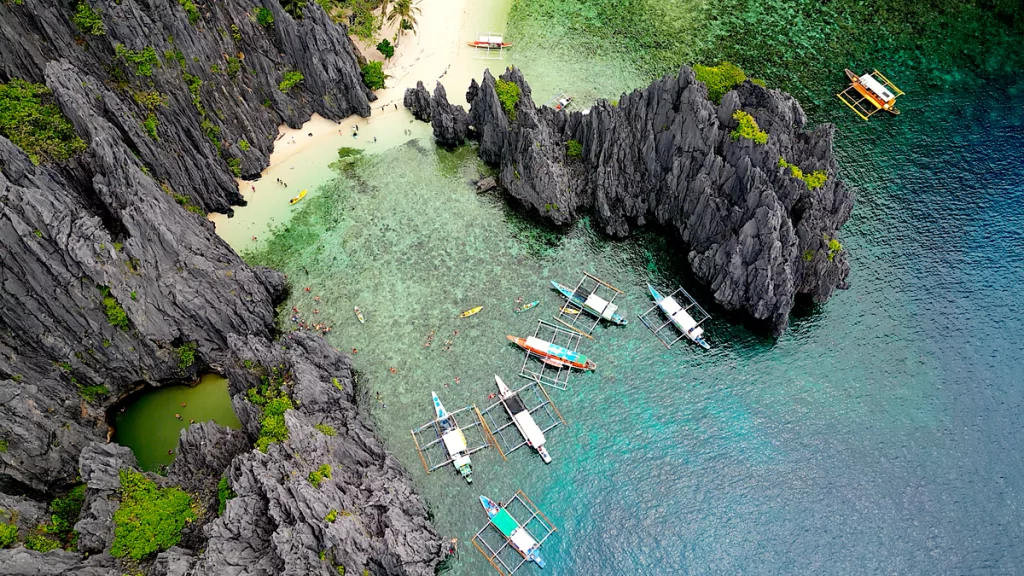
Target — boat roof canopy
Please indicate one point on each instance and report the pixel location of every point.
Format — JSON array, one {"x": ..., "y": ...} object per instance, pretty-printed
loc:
[
  {"x": 454, "y": 441},
  {"x": 491, "y": 38}
]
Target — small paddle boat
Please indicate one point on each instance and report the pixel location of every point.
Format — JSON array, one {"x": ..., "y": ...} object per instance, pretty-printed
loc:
[
  {"x": 593, "y": 304},
  {"x": 509, "y": 527},
  {"x": 552, "y": 354},
  {"x": 526, "y": 307},
  {"x": 679, "y": 317},
  {"x": 453, "y": 439},
  {"x": 470, "y": 312},
  {"x": 522, "y": 419},
  {"x": 359, "y": 315},
  {"x": 299, "y": 197}
]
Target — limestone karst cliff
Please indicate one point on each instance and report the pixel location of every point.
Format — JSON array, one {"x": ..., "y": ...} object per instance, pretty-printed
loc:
[{"x": 105, "y": 277}]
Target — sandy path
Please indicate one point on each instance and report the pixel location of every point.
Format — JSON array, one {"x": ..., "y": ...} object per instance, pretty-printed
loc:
[{"x": 301, "y": 157}]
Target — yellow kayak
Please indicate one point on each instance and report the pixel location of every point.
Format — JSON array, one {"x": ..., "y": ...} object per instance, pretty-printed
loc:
[
  {"x": 470, "y": 312},
  {"x": 297, "y": 198}
]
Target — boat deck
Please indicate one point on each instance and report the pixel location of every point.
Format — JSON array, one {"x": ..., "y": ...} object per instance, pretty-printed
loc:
[
  {"x": 653, "y": 317},
  {"x": 590, "y": 287},
  {"x": 489, "y": 51},
  {"x": 429, "y": 438},
  {"x": 497, "y": 548},
  {"x": 532, "y": 398},
  {"x": 543, "y": 373}
]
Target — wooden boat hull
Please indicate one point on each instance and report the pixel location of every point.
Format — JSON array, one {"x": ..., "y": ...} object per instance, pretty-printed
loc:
[
  {"x": 554, "y": 355},
  {"x": 571, "y": 296},
  {"x": 493, "y": 45},
  {"x": 687, "y": 331}
]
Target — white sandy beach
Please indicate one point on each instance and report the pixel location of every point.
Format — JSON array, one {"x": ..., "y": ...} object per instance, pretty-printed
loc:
[{"x": 301, "y": 157}]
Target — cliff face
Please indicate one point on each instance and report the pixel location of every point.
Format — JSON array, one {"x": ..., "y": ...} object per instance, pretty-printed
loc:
[
  {"x": 198, "y": 132},
  {"x": 756, "y": 235},
  {"x": 102, "y": 240}
]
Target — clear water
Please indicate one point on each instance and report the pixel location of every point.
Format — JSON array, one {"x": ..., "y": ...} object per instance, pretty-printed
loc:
[
  {"x": 150, "y": 425},
  {"x": 881, "y": 434}
]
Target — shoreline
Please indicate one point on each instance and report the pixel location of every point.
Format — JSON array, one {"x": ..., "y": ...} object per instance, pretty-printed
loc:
[{"x": 302, "y": 156}]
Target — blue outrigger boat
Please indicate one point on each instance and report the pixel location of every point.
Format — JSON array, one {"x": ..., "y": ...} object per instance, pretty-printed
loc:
[
  {"x": 592, "y": 304},
  {"x": 680, "y": 318}
]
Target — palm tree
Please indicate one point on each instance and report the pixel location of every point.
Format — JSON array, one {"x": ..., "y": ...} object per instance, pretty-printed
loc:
[{"x": 404, "y": 11}]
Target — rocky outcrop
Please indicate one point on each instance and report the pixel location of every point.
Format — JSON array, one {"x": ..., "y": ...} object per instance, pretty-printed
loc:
[
  {"x": 107, "y": 281},
  {"x": 754, "y": 234},
  {"x": 450, "y": 122},
  {"x": 239, "y": 63}
]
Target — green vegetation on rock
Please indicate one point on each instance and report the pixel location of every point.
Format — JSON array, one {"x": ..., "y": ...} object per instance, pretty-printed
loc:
[
  {"x": 235, "y": 165},
  {"x": 3, "y": 441},
  {"x": 294, "y": 7},
  {"x": 319, "y": 475},
  {"x": 719, "y": 79},
  {"x": 290, "y": 79},
  {"x": 143, "y": 60},
  {"x": 327, "y": 429},
  {"x": 234, "y": 66},
  {"x": 834, "y": 247},
  {"x": 272, "y": 397},
  {"x": 813, "y": 180},
  {"x": 92, "y": 394},
  {"x": 244, "y": 145},
  {"x": 113, "y": 310},
  {"x": 41, "y": 543},
  {"x": 373, "y": 75},
  {"x": 191, "y": 9},
  {"x": 264, "y": 17},
  {"x": 8, "y": 534},
  {"x": 31, "y": 119},
  {"x": 150, "y": 518},
  {"x": 150, "y": 124},
  {"x": 574, "y": 149},
  {"x": 65, "y": 512},
  {"x": 331, "y": 516},
  {"x": 224, "y": 493},
  {"x": 748, "y": 128},
  {"x": 508, "y": 94},
  {"x": 88, "y": 20},
  {"x": 186, "y": 355}
]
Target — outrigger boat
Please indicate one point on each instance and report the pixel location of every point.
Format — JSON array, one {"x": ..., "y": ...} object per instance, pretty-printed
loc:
[
  {"x": 489, "y": 41},
  {"x": 593, "y": 304},
  {"x": 299, "y": 197},
  {"x": 522, "y": 419},
  {"x": 872, "y": 89},
  {"x": 453, "y": 439},
  {"x": 526, "y": 307},
  {"x": 553, "y": 354},
  {"x": 359, "y": 315},
  {"x": 679, "y": 317},
  {"x": 470, "y": 312},
  {"x": 517, "y": 536}
]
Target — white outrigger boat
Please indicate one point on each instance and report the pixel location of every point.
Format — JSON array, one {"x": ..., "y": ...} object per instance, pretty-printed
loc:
[
  {"x": 518, "y": 536},
  {"x": 522, "y": 419},
  {"x": 454, "y": 440},
  {"x": 680, "y": 317}
]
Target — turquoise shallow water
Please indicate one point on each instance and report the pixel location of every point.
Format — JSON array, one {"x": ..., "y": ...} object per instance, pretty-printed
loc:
[{"x": 878, "y": 435}]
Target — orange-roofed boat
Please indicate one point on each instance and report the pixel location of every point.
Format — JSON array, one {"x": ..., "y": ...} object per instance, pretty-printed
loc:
[{"x": 553, "y": 354}]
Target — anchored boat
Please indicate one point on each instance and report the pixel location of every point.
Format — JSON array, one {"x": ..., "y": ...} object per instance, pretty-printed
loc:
[
  {"x": 517, "y": 536},
  {"x": 489, "y": 41},
  {"x": 869, "y": 93},
  {"x": 592, "y": 303},
  {"x": 522, "y": 419},
  {"x": 526, "y": 307},
  {"x": 453, "y": 439},
  {"x": 553, "y": 354},
  {"x": 680, "y": 317}
]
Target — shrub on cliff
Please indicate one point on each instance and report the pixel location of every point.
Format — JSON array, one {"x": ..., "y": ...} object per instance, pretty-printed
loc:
[
  {"x": 224, "y": 493},
  {"x": 41, "y": 543},
  {"x": 294, "y": 7},
  {"x": 813, "y": 180},
  {"x": 273, "y": 399},
  {"x": 113, "y": 310},
  {"x": 373, "y": 75},
  {"x": 508, "y": 94},
  {"x": 88, "y": 20},
  {"x": 290, "y": 79},
  {"x": 8, "y": 534},
  {"x": 264, "y": 17},
  {"x": 719, "y": 79},
  {"x": 31, "y": 119},
  {"x": 150, "y": 518},
  {"x": 574, "y": 149},
  {"x": 65, "y": 513},
  {"x": 319, "y": 475},
  {"x": 748, "y": 128},
  {"x": 385, "y": 48},
  {"x": 143, "y": 60}
]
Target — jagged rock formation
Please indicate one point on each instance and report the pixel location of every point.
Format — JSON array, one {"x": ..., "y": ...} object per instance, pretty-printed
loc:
[
  {"x": 102, "y": 233},
  {"x": 243, "y": 104},
  {"x": 753, "y": 233},
  {"x": 450, "y": 122}
]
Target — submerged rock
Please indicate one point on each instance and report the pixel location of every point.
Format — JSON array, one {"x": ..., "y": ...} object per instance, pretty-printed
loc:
[{"x": 752, "y": 232}]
